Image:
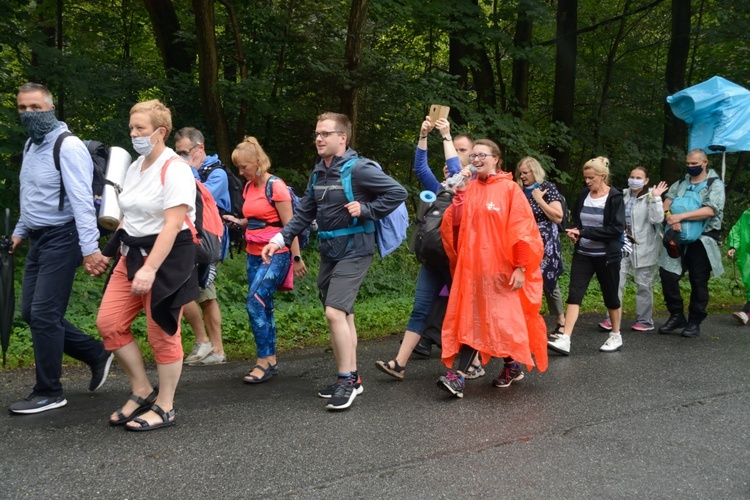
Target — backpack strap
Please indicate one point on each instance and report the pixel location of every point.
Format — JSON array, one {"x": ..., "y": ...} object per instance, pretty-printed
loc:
[
  {"x": 355, "y": 227},
  {"x": 56, "y": 158},
  {"x": 190, "y": 224}
]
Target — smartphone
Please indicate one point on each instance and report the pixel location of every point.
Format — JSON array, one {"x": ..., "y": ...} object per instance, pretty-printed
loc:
[{"x": 438, "y": 111}]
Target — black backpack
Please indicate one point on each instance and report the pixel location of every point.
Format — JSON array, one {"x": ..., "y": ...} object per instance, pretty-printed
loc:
[
  {"x": 99, "y": 156},
  {"x": 428, "y": 243}
]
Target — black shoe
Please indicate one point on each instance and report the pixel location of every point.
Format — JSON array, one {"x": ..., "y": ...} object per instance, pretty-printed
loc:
[
  {"x": 100, "y": 371},
  {"x": 691, "y": 330},
  {"x": 675, "y": 322},
  {"x": 424, "y": 348}
]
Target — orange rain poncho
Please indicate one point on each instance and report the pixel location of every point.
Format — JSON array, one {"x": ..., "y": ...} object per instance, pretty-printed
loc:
[{"x": 483, "y": 312}]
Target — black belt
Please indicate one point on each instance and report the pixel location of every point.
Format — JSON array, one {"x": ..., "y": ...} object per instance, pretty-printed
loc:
[{"x": 35, "y": 233}]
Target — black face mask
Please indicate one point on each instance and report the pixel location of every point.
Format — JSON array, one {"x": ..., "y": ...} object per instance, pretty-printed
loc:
[
  {"x": 38, "y": 124},
  {"x": 695, "y": 171}
]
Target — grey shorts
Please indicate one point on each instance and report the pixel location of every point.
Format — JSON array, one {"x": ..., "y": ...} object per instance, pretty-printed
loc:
[
  {"x": 339, "y": 282},
  {"x": 208, "y": 293}
]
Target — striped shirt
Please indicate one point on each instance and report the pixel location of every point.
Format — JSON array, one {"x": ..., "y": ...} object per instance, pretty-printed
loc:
[{"x": 592, "y": 215}]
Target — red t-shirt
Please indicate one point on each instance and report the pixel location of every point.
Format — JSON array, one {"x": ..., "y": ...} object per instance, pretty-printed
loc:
[{"x": 256, "y": 206}]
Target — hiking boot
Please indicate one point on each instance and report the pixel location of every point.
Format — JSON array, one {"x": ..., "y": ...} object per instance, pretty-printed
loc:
[
  {"x": 640, "y": 327},
  {"x": 675, "y": 322},
  {"x": 613, "y": 343},
  {"x": 100, "y": 371},
  {"x": 200, "y": 351},
  {"x": 212, "y": 359},
  {"x": 327, "y": 392},
  {"x": 509, "y": 373},
  {"x": 343, "y": 395},
  {"x": 605, "y": 325},
  {"x": 37, "y": 404},
  {"x": 452, "y": 383},
  {"x": 741, "y": 317},
  {"x": 691, "y": 330},
  {"x": 560, "y": 345}
]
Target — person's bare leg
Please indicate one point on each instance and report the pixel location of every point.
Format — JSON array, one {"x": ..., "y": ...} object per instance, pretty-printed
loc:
[
  {"x": 571, "y": 316},
  {"x": 212, "y": 321},
  {"x": 615, "y": 316},
  {"x": 344, "y": 349},
  {"x": 169, "y": 375},
  {"x": 192, "y": 314},
  {"x": 130, "y": 359}
]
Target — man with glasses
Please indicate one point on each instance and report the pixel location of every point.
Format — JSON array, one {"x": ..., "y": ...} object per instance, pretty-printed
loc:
[
  {"x": 701, "y": 256},
  {"x": 208, "y": 348},
  {"x": 344, "y": 259}
]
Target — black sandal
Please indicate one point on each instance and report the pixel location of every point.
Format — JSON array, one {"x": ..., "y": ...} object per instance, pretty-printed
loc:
[
  {"x": 268, "y": 372},
  {"x": 143, "y": 406},
  {"x": 167, "y": 420},
  {"x": 396, "y": 372}
]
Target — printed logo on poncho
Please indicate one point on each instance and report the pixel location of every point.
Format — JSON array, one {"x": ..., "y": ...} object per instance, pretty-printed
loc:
[{"x": 491, "y": 206}]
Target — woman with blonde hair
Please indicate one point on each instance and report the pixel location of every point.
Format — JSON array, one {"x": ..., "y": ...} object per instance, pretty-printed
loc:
[
  {"x": 156, "y": 272},
  {"x": 598, "y": 231},
  {"x": 264, "y": 216},
  {"x": 546, "y": 203}
]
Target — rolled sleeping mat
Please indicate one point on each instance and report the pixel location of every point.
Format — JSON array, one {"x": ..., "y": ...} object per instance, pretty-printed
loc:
[
  {"x": 117, "y": 165},
  {"x": 426, "y": 198}
]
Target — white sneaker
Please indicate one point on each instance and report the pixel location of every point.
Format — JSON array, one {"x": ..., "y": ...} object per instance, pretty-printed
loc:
[
  {"x": 613, "y": 343},
  {"x": 211, "y": 359},
  {"x": 200, "y": 351},
  {"x": 560, "y": 345},
  {"x": 741, "y": 316}
]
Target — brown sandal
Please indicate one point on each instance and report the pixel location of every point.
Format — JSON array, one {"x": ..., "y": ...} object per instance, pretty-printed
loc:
[{"x": 396, "y": 372}]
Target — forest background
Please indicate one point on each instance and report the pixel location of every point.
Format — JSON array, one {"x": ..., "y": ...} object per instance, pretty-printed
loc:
[{"x": 562, "y": 80}]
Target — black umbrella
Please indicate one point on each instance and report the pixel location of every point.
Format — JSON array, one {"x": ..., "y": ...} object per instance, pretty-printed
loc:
[{"x": 7, "y": 295}]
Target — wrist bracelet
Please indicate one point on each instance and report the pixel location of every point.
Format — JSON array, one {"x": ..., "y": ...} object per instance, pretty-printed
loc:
[{"x": 422, "y": 137}]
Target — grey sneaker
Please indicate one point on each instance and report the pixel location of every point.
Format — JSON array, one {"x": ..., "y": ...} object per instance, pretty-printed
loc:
[
  {"x": 211, "y": 359},
  {"x": 37, "y": 404},
  {"x": 200, "y": 351}
]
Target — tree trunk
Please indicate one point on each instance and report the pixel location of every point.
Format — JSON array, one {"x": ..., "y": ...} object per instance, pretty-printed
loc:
[
  {"x": 353, "y": 58},
  {"x": 240, "y": 59},
  {"x": 174, "y": 53},
  {"x": 565, "y": 75},
  {"x": 208, "y": 77},
  {"x": 675, "y": 130},
  {"x": 520, "y": 77}
]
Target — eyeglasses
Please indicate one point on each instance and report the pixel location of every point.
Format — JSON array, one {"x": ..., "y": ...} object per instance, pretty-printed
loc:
[
  {"x": 187, "y": 153},
  {"x": 325, "y": 133},
  {"x": 479, "y": 156}
]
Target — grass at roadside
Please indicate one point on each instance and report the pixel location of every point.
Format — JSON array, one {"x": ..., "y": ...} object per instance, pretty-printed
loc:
[{"x": 382, "y": 308}]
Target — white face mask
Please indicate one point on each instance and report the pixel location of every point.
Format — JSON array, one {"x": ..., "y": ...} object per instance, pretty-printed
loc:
[
  {"x": 142, "y": 145},
  {"x": 635, "y": 184}
]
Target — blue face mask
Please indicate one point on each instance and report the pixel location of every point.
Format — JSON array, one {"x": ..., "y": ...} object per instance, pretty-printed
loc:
[
  {"x": 695, "y": 171},
  {"x": 38, "y": 124}
]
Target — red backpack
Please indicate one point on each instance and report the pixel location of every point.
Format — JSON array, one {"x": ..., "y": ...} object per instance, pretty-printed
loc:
[{"x": 208, "y": 229}]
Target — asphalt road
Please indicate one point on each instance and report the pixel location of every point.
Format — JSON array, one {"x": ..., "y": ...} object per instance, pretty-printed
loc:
[{"x": 666, "y": 417}]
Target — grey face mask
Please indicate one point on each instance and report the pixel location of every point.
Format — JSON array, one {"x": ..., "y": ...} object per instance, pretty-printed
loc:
[{"x": 39, "y": 123}]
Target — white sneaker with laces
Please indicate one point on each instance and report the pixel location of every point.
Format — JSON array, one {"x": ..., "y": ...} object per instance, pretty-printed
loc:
[
  {"x": 613, "y": 343},
  {"x": 741, "y": 317},
  {"x": 200, "y": 351},
  {"x": 560, "y": 345},
  {"x": 211, "y": 359}
]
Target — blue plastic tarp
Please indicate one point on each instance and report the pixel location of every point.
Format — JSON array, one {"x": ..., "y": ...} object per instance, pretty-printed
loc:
[{"x": 718, "y": 112}]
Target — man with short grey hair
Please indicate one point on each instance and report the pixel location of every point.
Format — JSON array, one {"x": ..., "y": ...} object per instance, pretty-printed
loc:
[{"x": 61, "y": 236}]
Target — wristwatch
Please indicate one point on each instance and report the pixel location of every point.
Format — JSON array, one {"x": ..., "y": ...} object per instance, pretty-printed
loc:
[
  {"x": 447, "y": 138},
  {"x": 297, "y": 258}
]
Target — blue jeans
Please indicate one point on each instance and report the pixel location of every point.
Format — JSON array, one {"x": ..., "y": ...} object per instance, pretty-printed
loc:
[
  {"x": 54, "y": 254},
  {"x": 264, "y": 279},
  {"x": 429, "y": 283}
]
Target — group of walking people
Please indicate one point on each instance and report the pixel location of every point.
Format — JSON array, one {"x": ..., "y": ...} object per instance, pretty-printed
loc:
[{"x": 499, "y": 253}]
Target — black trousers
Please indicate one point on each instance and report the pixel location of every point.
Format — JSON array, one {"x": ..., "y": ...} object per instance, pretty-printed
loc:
[{"x": 694, "y": 262}]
